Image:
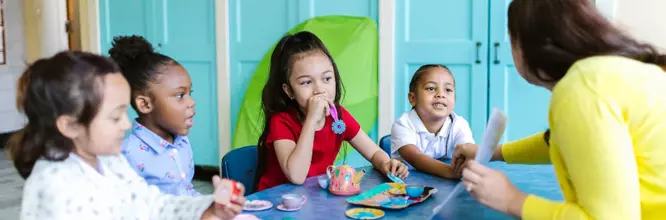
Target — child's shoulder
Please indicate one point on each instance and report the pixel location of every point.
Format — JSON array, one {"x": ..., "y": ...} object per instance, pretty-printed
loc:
[
  {"x": 408, "y": 118},
  {"x": 54, "y": 172}
]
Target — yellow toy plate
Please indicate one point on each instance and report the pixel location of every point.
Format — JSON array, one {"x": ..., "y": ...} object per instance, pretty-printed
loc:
[{"x": 364, "y": 213}]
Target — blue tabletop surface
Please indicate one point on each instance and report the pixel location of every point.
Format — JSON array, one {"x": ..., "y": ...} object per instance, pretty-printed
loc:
[{"x": 321, "y": 204}]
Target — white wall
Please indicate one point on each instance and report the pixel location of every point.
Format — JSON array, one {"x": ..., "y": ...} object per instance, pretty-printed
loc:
[
  {"x": 10, "y": 119},
  {"x": 644, "y": 19}
]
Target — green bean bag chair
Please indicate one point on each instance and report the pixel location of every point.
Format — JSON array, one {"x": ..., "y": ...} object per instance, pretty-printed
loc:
[{"x": 353, "y": 42}]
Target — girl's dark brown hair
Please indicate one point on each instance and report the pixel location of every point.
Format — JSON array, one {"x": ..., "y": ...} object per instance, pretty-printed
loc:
[
  {"x": 69, "y": 83},
  {"x": 289, "y": 49},
  {"x": 554, "y": 34},
  {"x": 138, "y": 61}
]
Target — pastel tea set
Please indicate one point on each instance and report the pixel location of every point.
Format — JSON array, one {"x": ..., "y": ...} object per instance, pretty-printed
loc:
[
  {"x": 290, "y": 202},
  {"x": 342, "y": 180}
]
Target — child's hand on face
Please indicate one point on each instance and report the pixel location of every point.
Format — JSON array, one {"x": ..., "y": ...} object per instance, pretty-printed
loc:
[
  {"x": 395, "y": 168},
  {"x": 318, "y": 108}
]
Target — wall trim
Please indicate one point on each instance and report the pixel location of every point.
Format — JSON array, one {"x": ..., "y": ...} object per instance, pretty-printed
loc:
[
  {"x": 88, "y": 16},
  {"x": 223, "y": 76},
  {"x": 386, "y": 66},
  {"x": 52, "y": 14}
]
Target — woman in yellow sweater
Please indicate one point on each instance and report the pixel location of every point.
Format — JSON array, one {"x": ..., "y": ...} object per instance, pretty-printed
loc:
[{"x": 607, "y": 137}]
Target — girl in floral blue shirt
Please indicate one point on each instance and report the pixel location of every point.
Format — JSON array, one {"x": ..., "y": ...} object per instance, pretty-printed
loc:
[{"x": 157, "y": 146}]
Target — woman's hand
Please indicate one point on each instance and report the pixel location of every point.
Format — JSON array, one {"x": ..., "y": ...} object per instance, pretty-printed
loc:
[
  {"x": 229, "y": 211},
  {"x": 318, "y": 108},
  {"x": 462, "y": 154},
  {"x": 493, "y": 189},
  {"x": 395, "y": 168}
]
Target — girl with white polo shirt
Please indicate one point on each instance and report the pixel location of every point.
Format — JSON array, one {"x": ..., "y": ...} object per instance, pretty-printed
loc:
[{"x": 425, "y": 137}]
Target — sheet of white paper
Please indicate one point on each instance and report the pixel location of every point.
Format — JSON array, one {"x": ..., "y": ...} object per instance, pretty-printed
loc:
[
  {"x": 490, "y": 140},
  {"x": 491, "y": 136}
]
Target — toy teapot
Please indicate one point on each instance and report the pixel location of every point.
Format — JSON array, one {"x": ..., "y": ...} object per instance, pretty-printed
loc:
[{"x": 344, "y": 180}]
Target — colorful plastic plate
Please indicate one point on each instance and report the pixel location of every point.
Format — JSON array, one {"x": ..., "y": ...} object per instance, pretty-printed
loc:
[
  {"x": 397, "y": 191},
  {"x": 364, "y": 213},
  {"x": 388, "y": 196}
]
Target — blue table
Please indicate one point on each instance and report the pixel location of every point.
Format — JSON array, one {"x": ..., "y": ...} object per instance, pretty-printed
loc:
[{"x": 323, "y": 205}]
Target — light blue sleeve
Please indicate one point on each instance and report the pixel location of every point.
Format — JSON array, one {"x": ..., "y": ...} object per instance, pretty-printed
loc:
[{"x": 144, "y": 162}]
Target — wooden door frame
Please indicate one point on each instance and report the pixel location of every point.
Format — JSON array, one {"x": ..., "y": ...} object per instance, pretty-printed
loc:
[
  {"x": 386, "y": 68},
  {"x": 73, "y": 39}
]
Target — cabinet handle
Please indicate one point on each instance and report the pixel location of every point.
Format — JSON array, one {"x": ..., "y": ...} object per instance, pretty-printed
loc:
[
  {"x": 497, "y": 44},
  {"x": 478, "y": 47}
]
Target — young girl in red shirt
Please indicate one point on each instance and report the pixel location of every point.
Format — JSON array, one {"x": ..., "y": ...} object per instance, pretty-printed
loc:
[{"x": 299, "y": 139}]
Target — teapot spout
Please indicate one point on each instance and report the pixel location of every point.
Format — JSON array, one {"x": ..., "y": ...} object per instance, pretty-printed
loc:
[{"x": 358, "y": 176}]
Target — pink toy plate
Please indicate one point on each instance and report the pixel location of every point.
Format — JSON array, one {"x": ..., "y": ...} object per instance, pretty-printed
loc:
[{"x": 257, "y": 205}]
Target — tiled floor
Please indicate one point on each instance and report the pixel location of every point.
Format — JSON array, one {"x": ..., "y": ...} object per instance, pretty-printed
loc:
[{"x": 11, "y": 188}]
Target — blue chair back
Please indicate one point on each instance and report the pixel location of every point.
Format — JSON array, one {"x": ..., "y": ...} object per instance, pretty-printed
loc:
[
  {"x": 385, "y": 144},
  {"x": 241, "y": 165}
]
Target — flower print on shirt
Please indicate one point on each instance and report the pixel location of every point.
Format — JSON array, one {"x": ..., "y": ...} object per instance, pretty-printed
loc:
[
  {"x": 164, "y": 164},
  {"x": 169, "y": 175}
]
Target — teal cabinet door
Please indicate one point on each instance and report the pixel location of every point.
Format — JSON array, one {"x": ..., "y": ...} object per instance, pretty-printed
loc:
[
  {"x": 313, "y": 8},
  {"x": 449, "y": 32},
  {"x": 525, "y": 105},
  {"x": 185, "y": 31},
  {"x": 254, "y": 26},
  {"x": 123, "y": 17}
]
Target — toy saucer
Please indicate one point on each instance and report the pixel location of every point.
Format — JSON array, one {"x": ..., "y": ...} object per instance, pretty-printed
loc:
[
  {"x": 257, "y": 205},
  {"x": 281, "y": 207},
  {"x": 364, "y": 213}
]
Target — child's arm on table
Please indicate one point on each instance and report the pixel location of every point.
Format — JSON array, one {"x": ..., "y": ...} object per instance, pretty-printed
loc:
[
  {"x": 426, "y": 164},
  {"x": 379, "y": 159}
]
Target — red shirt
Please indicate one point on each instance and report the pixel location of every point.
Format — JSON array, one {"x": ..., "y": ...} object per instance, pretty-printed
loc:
[{"x": 286, "y": 126}]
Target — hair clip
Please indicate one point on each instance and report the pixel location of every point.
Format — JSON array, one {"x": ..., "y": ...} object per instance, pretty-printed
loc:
[{"x": 338, "y": 126}]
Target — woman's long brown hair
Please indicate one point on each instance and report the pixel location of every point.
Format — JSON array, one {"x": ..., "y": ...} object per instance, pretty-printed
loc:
[{"x": 554, "y": 34}]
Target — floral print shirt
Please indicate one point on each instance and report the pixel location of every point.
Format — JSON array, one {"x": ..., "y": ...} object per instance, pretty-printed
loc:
[{"x": 169, "y": 166}]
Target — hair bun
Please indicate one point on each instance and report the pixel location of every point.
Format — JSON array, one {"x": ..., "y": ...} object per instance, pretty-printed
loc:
[{"x": 125, "y": 49}]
